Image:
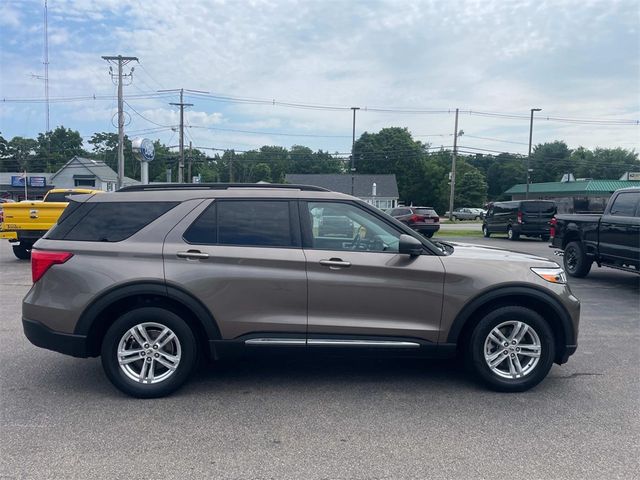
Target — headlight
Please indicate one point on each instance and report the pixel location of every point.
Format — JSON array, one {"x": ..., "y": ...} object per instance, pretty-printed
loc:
[{"x": 553, "y": 275}]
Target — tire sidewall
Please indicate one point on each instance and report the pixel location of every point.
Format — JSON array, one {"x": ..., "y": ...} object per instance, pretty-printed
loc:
[
  {"x": 482, "y": 330},
  {"x": 582, "y": 266},
  {"x": 485, "y": 231},
  {"x": 130, "y": 319}
]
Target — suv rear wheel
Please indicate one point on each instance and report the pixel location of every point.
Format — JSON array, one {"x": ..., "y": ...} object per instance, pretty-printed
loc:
[
  {"x": 511, "y": 235},
  {"x": 148, "y": 352},
  {"x": 21, "y": 252},
  {"x": 511, "y": 349}
]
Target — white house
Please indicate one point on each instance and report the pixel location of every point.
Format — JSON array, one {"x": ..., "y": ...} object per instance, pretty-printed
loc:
[{"x": 84, "y": 172}]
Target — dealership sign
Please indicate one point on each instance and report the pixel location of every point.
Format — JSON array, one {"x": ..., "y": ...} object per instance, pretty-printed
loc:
[{"x": 18, "y": 181}]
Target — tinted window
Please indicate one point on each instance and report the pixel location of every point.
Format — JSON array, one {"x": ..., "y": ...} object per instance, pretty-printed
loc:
[
  {"x": 625, "y": 204},
  {"x": 425, "y": 211},
  {"x": 113, "y": 221},
  {"x": 204, "y": 230},
  {"x": 58, "y": 197},
  {"x": 543, "y": 207},
  {"x": 259, "y": 223}
]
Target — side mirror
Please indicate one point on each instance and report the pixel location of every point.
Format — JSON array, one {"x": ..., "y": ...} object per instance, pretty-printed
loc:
[{"x": 410, "y": 246}]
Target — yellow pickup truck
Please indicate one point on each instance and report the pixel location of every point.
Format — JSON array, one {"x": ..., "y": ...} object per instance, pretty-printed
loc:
[{"x": 23, "y": 223}]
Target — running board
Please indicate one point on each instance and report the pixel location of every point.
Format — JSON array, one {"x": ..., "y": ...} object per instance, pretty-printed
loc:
[{"x": 331, "y": 342}]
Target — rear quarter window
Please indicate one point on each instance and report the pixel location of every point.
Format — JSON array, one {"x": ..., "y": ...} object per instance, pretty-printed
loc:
[{"x": 108, "y": 221}]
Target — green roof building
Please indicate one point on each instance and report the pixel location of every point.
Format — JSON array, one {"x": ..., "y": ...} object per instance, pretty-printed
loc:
[{"x": 581, "y": 196}]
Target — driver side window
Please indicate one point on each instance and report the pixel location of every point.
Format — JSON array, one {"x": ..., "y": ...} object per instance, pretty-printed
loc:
[{"x": 344, "y": 226}]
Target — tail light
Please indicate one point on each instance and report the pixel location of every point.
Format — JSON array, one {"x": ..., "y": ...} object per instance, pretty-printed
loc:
[
  {"x": 552, "y": 227},
  {"x": 41, "y": 261},
  {"x": 519, "y": 217},
  {"x": 435, "y": 219},
  {"x": 416, "y": 218}
]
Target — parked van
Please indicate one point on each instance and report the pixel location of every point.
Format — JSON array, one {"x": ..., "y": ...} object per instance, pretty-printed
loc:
[{"x": 521, "y": 217}]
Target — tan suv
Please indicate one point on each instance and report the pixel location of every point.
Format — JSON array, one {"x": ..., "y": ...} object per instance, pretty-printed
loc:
[{"x": 151, "y": 277}]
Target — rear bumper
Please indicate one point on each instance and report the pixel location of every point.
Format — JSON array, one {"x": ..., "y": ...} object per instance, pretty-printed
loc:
[
  {"x": 11, "y": 236},
  {"x": 426, "y": 227},
  {"x": 44, "y": 337},
  {"x": 532, "y": 229}
]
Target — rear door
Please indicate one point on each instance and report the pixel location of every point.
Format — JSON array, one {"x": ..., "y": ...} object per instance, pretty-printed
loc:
[
  {"x": 619, "y": 232},
  {"x": 359, "y": 285},
  {"x": 243, "y": 260},
  {"x": 537, "y": 215}
]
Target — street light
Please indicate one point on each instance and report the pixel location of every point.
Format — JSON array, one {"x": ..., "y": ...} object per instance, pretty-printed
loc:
[{"x": 529, "y": 156}]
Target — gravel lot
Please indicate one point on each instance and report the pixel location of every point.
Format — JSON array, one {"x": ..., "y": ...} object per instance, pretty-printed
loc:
[{"x": 313, "y": 418}]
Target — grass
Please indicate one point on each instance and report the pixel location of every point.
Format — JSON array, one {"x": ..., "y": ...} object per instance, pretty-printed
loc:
[{"x": 457, "y": 233}]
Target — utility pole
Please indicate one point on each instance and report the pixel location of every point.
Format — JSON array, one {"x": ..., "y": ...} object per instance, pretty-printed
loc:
[
  {"x": 526, "y": 196},
  {"x": 453, "y": 167},
  {"x": 353, "y": 151},
  {"x": 46, "y": 66},
  {"x": 231, "y": 155},
  {"x": 181, "y": 104},
  {"x": 189, "y": 177},
  {"x": 121, "y": 61}
]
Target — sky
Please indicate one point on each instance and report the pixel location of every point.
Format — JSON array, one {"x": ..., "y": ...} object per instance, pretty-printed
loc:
[{"x": 403, "y": 63}]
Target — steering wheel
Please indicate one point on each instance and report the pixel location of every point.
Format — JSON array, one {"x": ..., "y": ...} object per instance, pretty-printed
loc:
[{"x": 355, "y": 245}]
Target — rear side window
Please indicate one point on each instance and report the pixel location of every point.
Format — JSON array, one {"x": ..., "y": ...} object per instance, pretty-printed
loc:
[
  {"x": 548, "y": 208},
  {"x": 625, "y": 204},
  {"x": 425, "y": 211},
  {"x": 58, "y": 197},
  {"x": 261, "y": 223},
  {"x": 107, "y": 222}
]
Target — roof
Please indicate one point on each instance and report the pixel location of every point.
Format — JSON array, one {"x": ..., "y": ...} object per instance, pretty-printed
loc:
[
  {"x": 386, "y": 185},
  {"x": 582, "y": 187},
  {"x": 98, "y": 168}
]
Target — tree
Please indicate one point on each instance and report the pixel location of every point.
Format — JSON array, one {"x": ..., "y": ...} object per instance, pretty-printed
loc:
[
  {"x": 21, "y": 153},
  {"x": 549, "y": 161},
  {"x": 604, "y": 163},
  {"x": 57, "y": 147},
  {"x": 506, "y": 171},
  {"x": 472, "y": 189},
  {"x": 393, "y": 150}
]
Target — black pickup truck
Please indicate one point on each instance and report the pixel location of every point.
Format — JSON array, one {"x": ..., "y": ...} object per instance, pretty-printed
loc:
[{"x": 611, "y": 239}]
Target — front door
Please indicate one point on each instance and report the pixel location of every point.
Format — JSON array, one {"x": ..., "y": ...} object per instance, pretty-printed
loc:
[
  {"x": 620, "y": 229},
  {"x": 243, "y": 260},
  {"x": 359, "y": 285}
]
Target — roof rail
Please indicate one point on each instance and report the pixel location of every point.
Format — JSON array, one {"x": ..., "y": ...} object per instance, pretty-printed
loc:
[{"x": 218, "y": 186}]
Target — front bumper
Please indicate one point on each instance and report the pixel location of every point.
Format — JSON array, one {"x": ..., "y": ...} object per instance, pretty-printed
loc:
[{"x": 42, "y": 336}]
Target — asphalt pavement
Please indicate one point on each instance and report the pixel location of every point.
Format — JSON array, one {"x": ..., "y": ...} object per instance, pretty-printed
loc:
[{"x": 318, "y": 418}]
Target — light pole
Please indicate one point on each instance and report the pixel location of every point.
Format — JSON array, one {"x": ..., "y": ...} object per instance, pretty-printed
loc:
[{"x": 529, "y": 156}]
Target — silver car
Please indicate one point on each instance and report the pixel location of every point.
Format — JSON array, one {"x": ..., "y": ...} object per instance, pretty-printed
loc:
[{"x": 154, "y": 276}]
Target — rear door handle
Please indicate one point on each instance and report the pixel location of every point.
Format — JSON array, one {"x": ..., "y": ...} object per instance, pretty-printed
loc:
[
  {"x": 192, "y": 255},
  {"x": 335, "y": 263}
]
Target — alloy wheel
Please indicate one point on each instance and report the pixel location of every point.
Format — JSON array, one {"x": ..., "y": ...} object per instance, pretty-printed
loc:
[
  {"x": 512, "y": 349},
  {"x": 149, "y": 353}
]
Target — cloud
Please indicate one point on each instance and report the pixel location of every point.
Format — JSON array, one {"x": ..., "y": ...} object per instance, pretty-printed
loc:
[{"x": 571, "y": 58}]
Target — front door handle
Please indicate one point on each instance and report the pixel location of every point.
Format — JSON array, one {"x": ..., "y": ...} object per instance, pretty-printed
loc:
[
  {"x": 335, "y": 263},
  {"x": 192, "y": 255}
]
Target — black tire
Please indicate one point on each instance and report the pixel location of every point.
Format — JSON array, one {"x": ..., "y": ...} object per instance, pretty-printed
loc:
[
  {"x": 21, "y": 252},
  {"x": 485, "y": 232},
  {"x": 511, "y": 234},
  {"x": 537, "y": 372},
  {"x": 163, "y": 318},
  {"x": 576, "y": 262},
  {"x": 429, "y": 235}
]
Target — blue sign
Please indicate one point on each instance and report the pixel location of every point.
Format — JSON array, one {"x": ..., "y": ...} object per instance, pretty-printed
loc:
[
  {"x": 17, "y": 181},
  {"x": 37, "y": 181}
]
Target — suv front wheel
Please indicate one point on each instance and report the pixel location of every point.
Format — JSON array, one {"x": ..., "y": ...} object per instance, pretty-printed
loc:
[
  {"x": 511, "y": 349},
  {"x": 148, "y": 352}
]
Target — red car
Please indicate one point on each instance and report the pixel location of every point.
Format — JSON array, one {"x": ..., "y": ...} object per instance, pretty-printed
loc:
[{"x": 424, "y": 220}]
